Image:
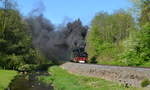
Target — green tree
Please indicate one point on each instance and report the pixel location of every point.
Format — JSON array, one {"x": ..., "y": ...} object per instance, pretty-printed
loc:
[
  {"x": 106, "y": 33},
  {"x": 138, "y": 46},
  {"x": 145, "y": 12},
  {"x": 15, "y": 43},
  {"x": 114, "y": 27}
]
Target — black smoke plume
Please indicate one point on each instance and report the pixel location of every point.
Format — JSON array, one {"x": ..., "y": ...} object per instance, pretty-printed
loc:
[{"x": 56, "y": 44}]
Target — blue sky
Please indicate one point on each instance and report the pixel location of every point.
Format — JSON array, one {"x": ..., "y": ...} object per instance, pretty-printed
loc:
[{"x": 59, "y": 11}]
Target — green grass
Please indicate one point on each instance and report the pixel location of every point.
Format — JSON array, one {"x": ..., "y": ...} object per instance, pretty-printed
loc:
[
  {"x": 62, "y": 80},
  {"x": 5, "y": 78}
]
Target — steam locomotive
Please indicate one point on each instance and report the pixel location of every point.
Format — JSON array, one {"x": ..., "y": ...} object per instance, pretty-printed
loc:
[{"x": 79, "y": 55}]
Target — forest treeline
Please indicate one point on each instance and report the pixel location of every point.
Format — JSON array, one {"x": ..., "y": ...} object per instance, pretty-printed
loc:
[
  {"x": 16, "y": 49},
  {"x": 122, "y": 37}
]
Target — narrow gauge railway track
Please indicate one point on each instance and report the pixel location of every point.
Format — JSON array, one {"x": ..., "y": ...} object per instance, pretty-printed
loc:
[{"x": 113, "y": 65}]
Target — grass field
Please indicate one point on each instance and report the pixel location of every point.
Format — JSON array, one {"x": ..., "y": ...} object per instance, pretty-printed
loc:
[
  {"x": 62, "y": 80},
  {"x": 5, "y": 78}
]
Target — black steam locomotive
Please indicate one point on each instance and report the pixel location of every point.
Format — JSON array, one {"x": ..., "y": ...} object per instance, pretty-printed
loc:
[{"x": 79, "y": 55}]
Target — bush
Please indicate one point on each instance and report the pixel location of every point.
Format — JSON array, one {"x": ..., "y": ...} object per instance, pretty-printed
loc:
[
  {"x": 145, "y": 82},
  {"x": 93, "y": 60}
]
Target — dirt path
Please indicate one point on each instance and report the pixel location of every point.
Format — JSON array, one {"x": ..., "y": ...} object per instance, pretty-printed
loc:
[{"x": 131, "y": 76}]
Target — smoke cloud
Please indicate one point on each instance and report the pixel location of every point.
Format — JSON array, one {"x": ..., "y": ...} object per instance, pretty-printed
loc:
[{"x": 56, "y": 43}]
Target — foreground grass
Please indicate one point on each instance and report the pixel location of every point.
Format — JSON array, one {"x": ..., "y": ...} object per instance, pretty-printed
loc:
[
  {"x": 5, "y": 78},
  {"x": 62, "y": 80}
]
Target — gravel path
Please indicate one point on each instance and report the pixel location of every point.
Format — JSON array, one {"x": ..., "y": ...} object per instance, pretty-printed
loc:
[{"x": 130, "y": 76}]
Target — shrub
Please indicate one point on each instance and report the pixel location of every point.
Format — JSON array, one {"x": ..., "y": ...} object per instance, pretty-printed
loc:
[
  {"x": 145, "y": 82},
  {"x": 93, "y": 60}
]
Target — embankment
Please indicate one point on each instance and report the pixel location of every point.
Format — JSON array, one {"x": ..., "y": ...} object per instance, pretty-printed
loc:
[{"x": 130, "y": 76}]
